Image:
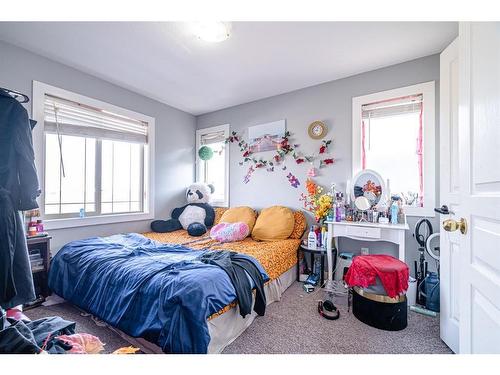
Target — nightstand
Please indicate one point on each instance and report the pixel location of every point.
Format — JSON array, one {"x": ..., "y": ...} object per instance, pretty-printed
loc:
[
  {"x": 313, "y": 252},
  {"x": 39, "y": 253}
]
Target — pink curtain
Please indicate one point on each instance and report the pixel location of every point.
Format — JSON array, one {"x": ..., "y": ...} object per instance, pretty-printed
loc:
[{"x": 420, "y": 157}]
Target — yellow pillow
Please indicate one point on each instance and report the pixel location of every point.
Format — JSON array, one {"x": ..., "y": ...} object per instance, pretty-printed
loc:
[
  {"x": 273, "y": 224},
  {"x": 239, "y": 214}
]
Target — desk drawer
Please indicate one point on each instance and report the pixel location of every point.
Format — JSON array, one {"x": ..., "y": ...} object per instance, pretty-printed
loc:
[{"x": 363, "y": 232}]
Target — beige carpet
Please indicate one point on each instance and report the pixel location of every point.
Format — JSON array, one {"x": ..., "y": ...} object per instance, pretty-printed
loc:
[{"x": 293, "y": 325}]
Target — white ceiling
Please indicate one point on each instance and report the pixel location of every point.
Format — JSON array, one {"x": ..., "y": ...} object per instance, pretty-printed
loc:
[{"x": 165, "y": 62}]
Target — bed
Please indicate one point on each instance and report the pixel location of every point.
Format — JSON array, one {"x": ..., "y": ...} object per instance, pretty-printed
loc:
[{"x": 220, "y": 316}]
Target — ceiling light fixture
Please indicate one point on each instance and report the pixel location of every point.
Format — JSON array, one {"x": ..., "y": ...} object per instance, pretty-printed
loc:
[{"x": 211, "y": 31}]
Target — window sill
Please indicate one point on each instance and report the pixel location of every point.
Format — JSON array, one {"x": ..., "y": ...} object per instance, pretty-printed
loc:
[{"x": 95, "y": 220}]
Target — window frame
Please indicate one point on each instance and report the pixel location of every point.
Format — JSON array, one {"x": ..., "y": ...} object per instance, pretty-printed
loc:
[
  {"x": 427, "y": 89},
  {"x": 199, "y": 134},
  {"x": 39, "y": 91}
]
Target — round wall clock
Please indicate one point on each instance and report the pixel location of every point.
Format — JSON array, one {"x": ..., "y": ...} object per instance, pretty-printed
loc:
[{"x": 317, "y": 130}]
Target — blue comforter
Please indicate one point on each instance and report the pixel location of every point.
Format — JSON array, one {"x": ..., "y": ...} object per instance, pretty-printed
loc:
[{"x": 160, "y": 292}]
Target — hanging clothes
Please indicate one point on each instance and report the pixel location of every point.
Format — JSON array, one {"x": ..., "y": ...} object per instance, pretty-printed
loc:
[
  {"x": 17, "y": 158},
  {"x": 18, "y": 191}
]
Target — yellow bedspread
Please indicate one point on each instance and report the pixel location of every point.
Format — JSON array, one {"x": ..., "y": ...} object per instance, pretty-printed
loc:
[{"x": 276, "y": 257}]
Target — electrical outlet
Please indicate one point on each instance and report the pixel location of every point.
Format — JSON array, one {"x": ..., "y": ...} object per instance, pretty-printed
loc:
[{"x": 365, "y": 251}]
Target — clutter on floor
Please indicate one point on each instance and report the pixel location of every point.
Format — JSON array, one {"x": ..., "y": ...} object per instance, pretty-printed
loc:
[
  {"x": 49, "y": 335},
  {"x": 85, "y": 323}
]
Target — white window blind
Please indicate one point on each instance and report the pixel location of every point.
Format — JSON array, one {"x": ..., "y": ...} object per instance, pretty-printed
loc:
[
  {"x": 211, "y": 138},
  {"x": 393, "y": 107},
  {"x": 66, "y": 117}
]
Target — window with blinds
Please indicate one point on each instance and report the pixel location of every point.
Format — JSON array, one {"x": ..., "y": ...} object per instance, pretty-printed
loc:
[
  {"x": 66, "y": 117},
  {"x": 393, "y": 107},
  {"x": 215, "y": 171},
  {"x": 392, "y": 144},
  {"x": 94, "y": 160}
]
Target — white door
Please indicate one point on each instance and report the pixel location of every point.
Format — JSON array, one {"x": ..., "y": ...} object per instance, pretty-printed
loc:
[
  {"x": 449, "y": 196},
  {"x": 479, "y": 155}
]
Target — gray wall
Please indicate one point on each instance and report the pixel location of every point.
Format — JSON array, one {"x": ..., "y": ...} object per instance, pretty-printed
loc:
[
  {"x": 330, "y": 102},
  {"x": 174, "y": 164},
  {"x": 174, "y": 168}
]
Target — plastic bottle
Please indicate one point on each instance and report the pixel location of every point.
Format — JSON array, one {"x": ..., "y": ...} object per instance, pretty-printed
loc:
[
  {"x": 317, "y": 231},
  {"x": 39, "y": 226},
  {"x": 342, "y": 207},
  {"x": 394, "y": 212},
  {"x": 338, "y": 215},
  {"x": 311, "y": 239},
  {"x": 331, "y": 214}
]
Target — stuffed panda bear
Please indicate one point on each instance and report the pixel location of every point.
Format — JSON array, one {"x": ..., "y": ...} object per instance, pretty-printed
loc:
[{"x": 194, "y": 217}]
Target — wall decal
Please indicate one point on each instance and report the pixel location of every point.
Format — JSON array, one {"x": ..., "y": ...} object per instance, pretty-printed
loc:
[
  {"x": 294, "y": 181},
  {"x": 247, "y": 177},
  {"x": 284, "y": 149},
  {"x": 323, "y": 149}
]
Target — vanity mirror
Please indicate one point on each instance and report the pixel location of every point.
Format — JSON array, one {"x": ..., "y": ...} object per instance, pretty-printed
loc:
[{"x": 367, "y": 184}]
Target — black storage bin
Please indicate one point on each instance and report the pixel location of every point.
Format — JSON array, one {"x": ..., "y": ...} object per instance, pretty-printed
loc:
[{"x": 382, "y": 312}]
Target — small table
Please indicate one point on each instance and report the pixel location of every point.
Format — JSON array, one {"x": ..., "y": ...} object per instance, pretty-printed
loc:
[
  {"x": 322, "y": 252},
  {"x": 41, "y": 244}
]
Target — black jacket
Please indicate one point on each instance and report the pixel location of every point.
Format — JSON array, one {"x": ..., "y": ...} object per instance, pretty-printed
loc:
[
  {"x": 18, "y": 191},
  {"x": 17, "y": 159},
  {"x": 237, "y": 267}
]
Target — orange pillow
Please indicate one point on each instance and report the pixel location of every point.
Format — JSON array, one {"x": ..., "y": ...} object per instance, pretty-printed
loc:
[
  {"x": 300, "y": 225},
  {"x": 274, "y": 224},
  {"x": 239, "y": 214}
]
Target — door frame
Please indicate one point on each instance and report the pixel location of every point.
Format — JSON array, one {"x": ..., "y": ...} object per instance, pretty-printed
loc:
[{"x": 449, "y": 194}]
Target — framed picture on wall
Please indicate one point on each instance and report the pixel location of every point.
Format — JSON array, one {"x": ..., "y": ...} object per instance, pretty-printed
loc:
[{"x": 266, "y": 137}]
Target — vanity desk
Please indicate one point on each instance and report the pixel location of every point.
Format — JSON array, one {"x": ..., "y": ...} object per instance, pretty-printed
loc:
[{"x": 366, "y": 231}]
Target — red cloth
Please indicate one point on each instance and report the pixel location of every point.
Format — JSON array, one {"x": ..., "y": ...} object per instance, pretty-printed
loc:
[{"x": 392, "y": 273}]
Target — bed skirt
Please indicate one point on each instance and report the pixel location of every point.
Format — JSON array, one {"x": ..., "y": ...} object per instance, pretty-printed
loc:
[{"x": 225, "y": 328}]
